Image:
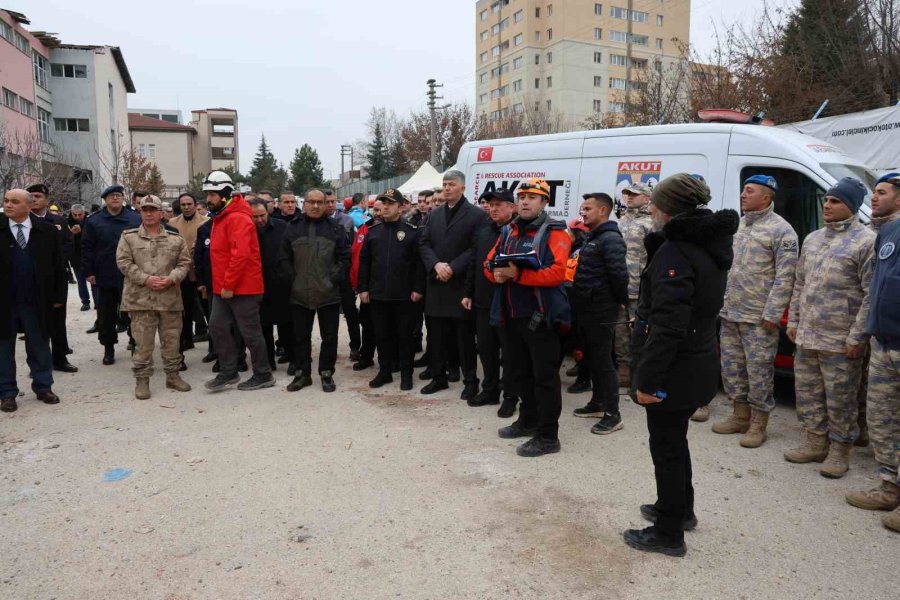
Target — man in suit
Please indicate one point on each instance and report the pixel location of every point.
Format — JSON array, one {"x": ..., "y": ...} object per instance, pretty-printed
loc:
[
  {"x": 34, "y": 286},
  {"x": 446, "y": 250}
]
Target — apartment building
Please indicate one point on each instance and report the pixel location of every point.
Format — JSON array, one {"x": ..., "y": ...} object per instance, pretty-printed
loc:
[
  {"x": 170, "y": 115},
  {"x": 571, "y": 57},
  {"x": 216, "y": 142},
  {"x": 169, "y": 146}
]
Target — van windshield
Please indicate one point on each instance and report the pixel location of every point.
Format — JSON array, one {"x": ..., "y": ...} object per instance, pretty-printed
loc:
[{"x": 839, "y": 171}]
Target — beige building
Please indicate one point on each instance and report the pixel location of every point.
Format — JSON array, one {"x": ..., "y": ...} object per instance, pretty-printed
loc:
[
  {"x": 216, "y": 142},
  {"x": 573, "y": 57},
  {"x": 169, "y": 146}
]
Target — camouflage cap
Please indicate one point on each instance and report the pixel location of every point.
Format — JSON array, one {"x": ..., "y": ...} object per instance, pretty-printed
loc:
[{"x": 151, "y": 200}]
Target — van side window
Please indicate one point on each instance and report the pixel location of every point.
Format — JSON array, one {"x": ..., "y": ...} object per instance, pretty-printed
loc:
[{"x": 799, "y": 200}]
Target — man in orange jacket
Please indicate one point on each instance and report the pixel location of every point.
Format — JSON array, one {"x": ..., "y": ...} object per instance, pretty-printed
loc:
[
  {"x": 532, "y": 306},
  {"x": 237, "y": 286}
]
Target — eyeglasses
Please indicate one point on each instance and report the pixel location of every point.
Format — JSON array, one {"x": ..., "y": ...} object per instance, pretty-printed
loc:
[
  {"x": 314, "y": 203},
  {"x": 115, "y": 195},
  {"x": 149, "y": 209}
]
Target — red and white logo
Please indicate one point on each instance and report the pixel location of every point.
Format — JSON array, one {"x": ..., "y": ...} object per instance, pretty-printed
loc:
[{"x": 486, "y": 154}]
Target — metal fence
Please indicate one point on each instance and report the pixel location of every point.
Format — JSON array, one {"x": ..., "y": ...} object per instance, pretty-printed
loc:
[{"x": 367, "y": 186}]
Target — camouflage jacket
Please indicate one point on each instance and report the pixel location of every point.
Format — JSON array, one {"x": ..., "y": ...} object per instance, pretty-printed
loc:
[
  {"x": 762, "y": 276},
  {"x": 876, "y": 223},
  {"x": 140, "y": 256},
  {"x": 830, "y": 303},
  {"x": 635, "y": 224}
]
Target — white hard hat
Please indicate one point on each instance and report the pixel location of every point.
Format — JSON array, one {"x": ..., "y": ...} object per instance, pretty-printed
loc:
[{"x": 218, "y": 181}]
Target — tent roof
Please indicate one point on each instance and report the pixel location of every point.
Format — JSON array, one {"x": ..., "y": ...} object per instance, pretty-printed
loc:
[{"x": 426, "y": 178}]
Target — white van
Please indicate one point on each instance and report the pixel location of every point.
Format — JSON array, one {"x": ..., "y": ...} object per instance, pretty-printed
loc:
[{"x": 724, "y": 154}]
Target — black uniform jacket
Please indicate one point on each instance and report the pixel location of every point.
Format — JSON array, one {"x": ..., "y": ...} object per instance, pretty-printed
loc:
[{"x": 390, "y": 267}]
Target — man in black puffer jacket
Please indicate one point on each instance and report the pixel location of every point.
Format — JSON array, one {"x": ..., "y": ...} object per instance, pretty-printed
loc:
[
  {"x": 599, "y": 290},
  {"x": 675, "y": 359}
]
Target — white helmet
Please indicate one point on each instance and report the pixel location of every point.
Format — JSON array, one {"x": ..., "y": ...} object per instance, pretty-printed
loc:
[{"x": 218, "y": 181}]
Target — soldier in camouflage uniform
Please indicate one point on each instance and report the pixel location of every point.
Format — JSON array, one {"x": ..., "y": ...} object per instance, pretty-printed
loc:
[
  {"x": 884, "y": 369},
  {"x": 635, "y": 224},
  {"x": 759, "y": 289},
  {"x": 827, "y": 321},
  {"x": 154, "y": 261}
]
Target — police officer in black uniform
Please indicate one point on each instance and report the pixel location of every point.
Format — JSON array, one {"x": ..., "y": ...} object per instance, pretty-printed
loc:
[{"x": 392, "y": 280}]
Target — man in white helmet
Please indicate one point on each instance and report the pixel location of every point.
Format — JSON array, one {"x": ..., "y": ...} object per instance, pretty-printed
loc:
[{"x": 237, "y": 286}]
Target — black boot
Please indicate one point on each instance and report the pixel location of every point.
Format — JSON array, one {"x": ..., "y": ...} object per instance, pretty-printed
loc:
[
  {"x": 508, "y": 408},
  {"x": 327, "y": 381},
  {"x": 301, "y": 381},
  {"x": 484, "y": 398},
  {"x": 406, "y": 381},
  {"x": 383, "y": 377},
  {"x": 470, "y": 391},
  {"x": 109, "y": 354},
  {"x": 580, "y": 386},
  {"x": 649, "y": 540},
  {"x": 437, "y": 384}
]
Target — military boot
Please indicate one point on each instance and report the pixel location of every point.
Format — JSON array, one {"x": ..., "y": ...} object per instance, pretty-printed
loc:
[
  {"x": 738, "y": 422},
  {"x": 756, "y": 434},
  {"x": 892, "y": 520},
  {"x": 175, "y": 382},
  {"x": 813, "y": 449},
  {"x": 701, "y": 415},
  {"x": 838, "y": 461},
  {"x": 142, "y": 388},
  {"x": 884, "y": 497}
]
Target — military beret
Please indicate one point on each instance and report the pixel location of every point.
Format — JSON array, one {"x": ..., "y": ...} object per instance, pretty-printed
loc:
[
  {"x": 892, "y": 178},
  {"x": 763, "y": 180},
  {"x": 112, "y": 190},
  {"x": 40, "y": 188}
]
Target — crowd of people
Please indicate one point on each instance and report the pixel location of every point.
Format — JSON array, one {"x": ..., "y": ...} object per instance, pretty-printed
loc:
[{"x": 663, "y": 299}]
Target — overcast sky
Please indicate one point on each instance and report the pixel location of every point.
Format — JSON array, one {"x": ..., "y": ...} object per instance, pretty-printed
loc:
[{"x": 300, "y": 72}]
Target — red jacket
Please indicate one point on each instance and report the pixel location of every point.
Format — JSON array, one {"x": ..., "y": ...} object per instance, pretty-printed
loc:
[
  {"x": 355, "y": 249},
  {"x": 234, "y": 251}
]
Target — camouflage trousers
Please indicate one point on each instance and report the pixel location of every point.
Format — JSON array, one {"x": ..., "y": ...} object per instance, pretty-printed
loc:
[
  {"x": 144, "y": 326},
  {"x": 622, "y": 340},
  {"x": 826, "y": 385},
  {"x": 748, "y": 364},
  {"x": 883, "y": 415}
]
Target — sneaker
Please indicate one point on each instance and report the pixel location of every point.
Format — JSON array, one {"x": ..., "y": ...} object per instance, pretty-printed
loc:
[
  {"x": 436, "y": 385},
  {"x": 608, "y": 424},
  {"x": 300, "y": 381},
  {"x": 470, "y": 391},
  {"x": 516, "y": 430},
  {"x": 327, "y": 381},
  {"x": 508, "y": 408},
  {"x": 649, "y": 512},
  {"x": 579, "y": 387},
  {"x": 363, "y": 364},
  {"x": 257, "y": 382},
  {"x": 648, "y": 540},
  {"x": 484, "y": 398},
  {"x": 538, "y": 447},
  {"x": 589, "y": 410},
  {"x": 381, "y": 379},
  {"x": 222, "y": 381},
  {"x": 406, "y": 381}
]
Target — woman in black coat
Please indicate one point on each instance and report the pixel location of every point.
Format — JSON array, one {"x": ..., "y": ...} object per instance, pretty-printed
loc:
[{"x": 674, "y": 345}]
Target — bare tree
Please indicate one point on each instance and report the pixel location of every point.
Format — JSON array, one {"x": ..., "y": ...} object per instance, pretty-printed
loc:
[{"x": 882, "y": 22}]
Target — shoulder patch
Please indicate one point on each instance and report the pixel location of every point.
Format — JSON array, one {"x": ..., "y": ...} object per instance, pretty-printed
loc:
[
  {"x": 887, "y": 250},
  {"x": 789, "y": 245}
]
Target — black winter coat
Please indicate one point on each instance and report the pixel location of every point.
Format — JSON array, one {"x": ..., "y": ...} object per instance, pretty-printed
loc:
[
  {"x": 46, "y": 251},
  {"x": 314, "y": 261},
  {"x": 478, "y": 287},
  {"x": 275, "y": 302},
  {"x": 449, "y": 242},
  {"x": 61, "y": 225},
  {"x": 601, "y": 279},
  {"x": 75, "y": 256},
  {"x": 390, "y": 267},
  {"x": 674, "y": 344},
  {"x": 202, "y": 265},
  {"x": 99, "y": 241}
]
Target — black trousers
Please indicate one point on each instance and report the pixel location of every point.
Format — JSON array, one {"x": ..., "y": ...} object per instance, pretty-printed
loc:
[
  {"x": 108, "y": 315},
  {"x": 285, "y": 335},
  {"x": 461, "y": 334},
  {"x": 351, "y": 314},
  {"x": 418, "y": 322},
  {"x": 367, "y": 329},
  {"x": 596, "y": 337},
  {"x": 534, "y": 366},
  {"x": 329, "y": 318},
  {"x": 188, "y": 316},
  {"x": 394, "y": 334},
  {"x": 59, "y": 340},
  {"x": 491, "y": 342},
  {"x": 672, "y": 464}
]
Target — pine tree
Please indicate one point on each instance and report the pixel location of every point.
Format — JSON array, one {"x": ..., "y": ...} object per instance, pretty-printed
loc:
[
  {"x": 378, "y": 158},
  {"x": 262, "y": 174},
  {"x": 155, "y": 183},
  {"x": 305, "y": 170},
  {"x": 398, "y": 161}
]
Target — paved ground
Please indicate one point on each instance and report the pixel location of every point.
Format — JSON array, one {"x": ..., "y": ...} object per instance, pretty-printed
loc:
[{"x": 362, "y": 494}]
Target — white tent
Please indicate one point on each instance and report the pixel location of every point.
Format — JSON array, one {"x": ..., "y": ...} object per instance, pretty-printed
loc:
[{"x": 426, "y": 178}]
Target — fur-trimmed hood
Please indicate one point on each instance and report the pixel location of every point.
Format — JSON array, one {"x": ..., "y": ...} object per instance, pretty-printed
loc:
[{"x": 710, "y": 230}]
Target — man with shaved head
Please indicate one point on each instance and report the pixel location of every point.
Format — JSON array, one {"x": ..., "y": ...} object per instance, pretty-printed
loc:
[{"x": 33, "y": 286}]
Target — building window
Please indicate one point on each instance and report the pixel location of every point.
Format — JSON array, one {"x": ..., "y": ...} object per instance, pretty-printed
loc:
[
  {"x": 537, "y": 105},
  {"x": 6, "y": 30},
  {"x": 142, "y": 150},
  {"x": 71, "y": 125},
  {"x": 151, "y": 151},
  {"x": 598, "y": 106},
  {"x": 537, "y": 12},
  {"x": 484, "y": 35},
  {"x": 621, "y": 36},
  {"x": 41, "y": 69},
  {"x": 44, "y": 124},
  {"x": 10, "y": 99},
  {"x": 70, "y": 71},
  {"x": 517, "y": 85},
  {"x": 549, "y": 105},
  {"x": 495, "y": 29},
  {"x": 537, "y": 59},
  {"x": 483, "y": 99},
  {"x": 517, "y": 41},
  {"x": 549, "y": 34},
  {"x": 617, "y": 83},
  {"x": 222, "y": 153},
  {"x": 517, "y": 63},
  {"x": 483, "y": 78},
  {"x": 549, "y": 58},
  {"x": 26, "y": 107},
  {"x": 618, "y": 36},
  {"x": 639, "y": 40},
  {"x": 549, "y": 10},
  {"x": 659, "y": 43},
  {"x": 537, "y": 83},
  {"x": 517, "y": 18},
  {"x": 624, "y": 14},
  {"x": 598, "y": 33},
  {"x": 619, "y": 60},
  {"x": 537, "y": 36},
  {"x": 22, "y": 43},
  {"x": 518, "y": 109},
  {"x": 484, "y": 57},
  {"x": 598, "y": 81},
  {"x": 598, "y": 9},
  {"x": 616, "y": 107},
  {"x": 659, "y": 20},
  {"x": 598, "y": 57},
  {"x": 484, "y": 15},
  {"x": 504, "y": 24},
  {"x": 549, "y": 82}
]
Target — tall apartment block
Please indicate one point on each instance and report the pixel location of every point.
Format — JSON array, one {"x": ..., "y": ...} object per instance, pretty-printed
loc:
[
  {"x": 571, "y": 57},
  {"x": 216, "y": 142}
]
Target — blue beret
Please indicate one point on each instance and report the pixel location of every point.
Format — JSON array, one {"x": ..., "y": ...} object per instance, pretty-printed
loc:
[
  {"x": 765, "y": 180},
  {"x": 112, "y": 189},
  {"x": 698, "y": 177},
  {"x": 888, "y": 177}
]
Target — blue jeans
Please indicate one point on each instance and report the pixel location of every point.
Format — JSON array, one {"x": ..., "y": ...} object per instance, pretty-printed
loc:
[
  {"x": 83, "y": 288},
  {"x": 37, "y": 351}
]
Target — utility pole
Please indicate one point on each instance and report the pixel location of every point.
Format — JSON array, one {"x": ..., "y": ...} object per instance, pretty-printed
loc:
[
  {"x": 346, "y": 150},
  {"x": 628, "y": 48},
  {"x": 432, "y": 109}
]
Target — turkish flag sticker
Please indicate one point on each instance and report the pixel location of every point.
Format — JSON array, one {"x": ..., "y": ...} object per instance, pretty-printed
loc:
[{"x": 486, "y": 154}]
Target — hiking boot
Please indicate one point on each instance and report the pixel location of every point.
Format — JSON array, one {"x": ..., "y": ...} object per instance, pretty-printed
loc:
[
  {"x": 436, "y": 385},
  {"x": 453, "y": 374},
  {"x": 813, "y": 449},
  {"x": 381, "y": 379},
  {"x": 838, "y": 461},
  {"x": 516, "y": 430},
  {"x": 508, "y": 408},
  {"x": 756, "y": 434},
  {"x": 8, "y": 405},
  {"x": 300, "y": 381},
  {"x": 537, "y": 446},
  {"x": 580, "y": 386},
  {"x": 484, "y": 397},
  {"x": 590, "y": 410},
  {"x": 142, "y": 388},
  {"x": 175, "y": 382},
  {"x": 328, "y": 385},
  {"x": 649, "y": 512},
  {"x": 892, "y": 520},
  {"x": 624, "y": 375},
  {"x": 109, "y": 355},
  {"x": 884, "y": 497},
  {"x": 738, "y": 422},
  {"x": 470, "y": 391},
  {"x": 257, "y": 381},
  {"x": 701, "y": 415},
  {"x": 648, "y": 540},
  {"x": 406, "y": 381},
  {"x": 222, "y": 381},
  {"x": 608, "y": 424}
]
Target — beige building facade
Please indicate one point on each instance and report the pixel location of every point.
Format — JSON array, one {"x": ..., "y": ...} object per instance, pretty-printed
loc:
[
  {"x": 575, "y": 58},
  {"x": 216, "y": 142},
  {"x": 169, "y": 146}
]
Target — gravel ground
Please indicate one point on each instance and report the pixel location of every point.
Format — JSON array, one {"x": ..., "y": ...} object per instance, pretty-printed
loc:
[{"x": 382, "y": 494}]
